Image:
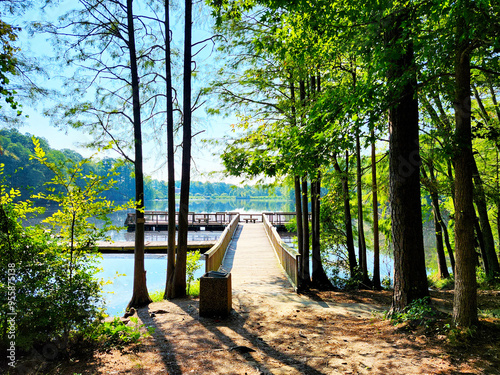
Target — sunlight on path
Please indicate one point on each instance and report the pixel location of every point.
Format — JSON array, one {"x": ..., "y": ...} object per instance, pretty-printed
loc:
[{"x": 258, "y": 280}]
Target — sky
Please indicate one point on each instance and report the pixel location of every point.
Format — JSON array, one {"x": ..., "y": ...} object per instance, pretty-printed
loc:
[{"x": 213, "y": 127}]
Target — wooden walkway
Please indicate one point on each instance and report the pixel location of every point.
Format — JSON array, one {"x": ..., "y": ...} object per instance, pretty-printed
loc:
[
  {"x": 154, "y": 247},
  {"x": 259, "y": 281},
  {"x": 253, "y": 264}
]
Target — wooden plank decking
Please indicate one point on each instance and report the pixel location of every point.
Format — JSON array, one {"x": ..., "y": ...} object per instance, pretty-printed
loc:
[{"x": 253, "y": 264}]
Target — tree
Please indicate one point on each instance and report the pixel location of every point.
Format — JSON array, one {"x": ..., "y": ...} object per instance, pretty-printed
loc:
[
  {"x": 347, "y": 214},
  {"x": 140, "y": 296},
  {"x": 170, "y": 160},
  {"x": 376, "y": 241},
  {"x": 179, "y": 287},
  {"x": 465, "y": 300},
  {"x": 410, "y": 280},
  {"x": 8, "y": 62},
  {"x": 100, "y": 38},
  {"x": 430, "y": 183}
]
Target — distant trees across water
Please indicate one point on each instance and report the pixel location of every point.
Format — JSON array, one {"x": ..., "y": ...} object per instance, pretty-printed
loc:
[{"x": 29, "y": 176}]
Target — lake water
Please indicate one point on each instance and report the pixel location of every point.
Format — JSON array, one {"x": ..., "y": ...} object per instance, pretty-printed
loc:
[{"x": 118, "y": 294}]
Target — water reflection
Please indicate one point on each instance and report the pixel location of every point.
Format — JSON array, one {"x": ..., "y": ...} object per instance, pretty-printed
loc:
[{"x": 119, "y": 268}]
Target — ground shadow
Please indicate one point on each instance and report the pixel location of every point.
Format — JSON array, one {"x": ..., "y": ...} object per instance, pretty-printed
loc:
[{"x": 213, "y": 325}]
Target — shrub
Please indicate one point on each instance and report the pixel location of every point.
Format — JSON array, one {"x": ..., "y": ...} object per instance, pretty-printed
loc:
[
  {"x": 437, "y": 283},
  {"x": 47, "y": 279},
  {"x": 192, "y": 265},
  {"x": 417, "y": 312},
  {"x": 116, "y": 334}
]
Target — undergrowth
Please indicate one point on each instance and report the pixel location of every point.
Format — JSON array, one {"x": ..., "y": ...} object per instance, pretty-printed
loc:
[
  {"x": 418, "y": 312},
  {"x": 194, "y": 291},
  {"x": 117, "y": 334}
]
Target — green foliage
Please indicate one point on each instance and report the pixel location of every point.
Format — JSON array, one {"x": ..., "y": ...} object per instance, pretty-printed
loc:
[
  {"x": 157, "y": 296},
  {"x": 486, "y": 282},
  {"x": 192, "y": 265},
  {"x": 386, "y": 283},
  {"x": 194, "y": 290},
  {"x": 487, "y": 313},
  {"x": 50, "y": 270},
  {"x": 417, "y": 313},
  {"x": 8, "y": 62},
  {"x": 437, "y": 283},
  {"x": 117, "y": 334},
  {"x": 52, "y": 296},
  {"x": 460, "y": 337}
]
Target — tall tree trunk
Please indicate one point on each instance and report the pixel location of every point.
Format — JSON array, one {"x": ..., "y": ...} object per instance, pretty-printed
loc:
[
  {"x": 361, "y": 230},
  {"x": 442, "y": 265},
  {"x": 465, "y": 299},
  {"x": 169, "y": 293},
  {"x": 480, "y": 243},
  {"x": 441, "y": 258},
  {"x": 410, "y": 279},
  {"x": 319, "y": 278},
  {"x": 300, "y": 234},
  {"x": 180, "y": 264},
  {"x": 444, "y": 229},
  {"x": 489, "y": 256},
  {"x": 140, "y": 295},
  {"x": 305, "y": 225},
  {"x": 376, "y": 239},
  {"x": 344, "y": 178},
  {"x": 497, "y": 147}
]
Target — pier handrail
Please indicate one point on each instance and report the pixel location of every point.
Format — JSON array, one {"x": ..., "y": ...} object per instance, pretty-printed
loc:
[
  {"x": 214, "y": 256},
  {"x": 288, "y": 257}
]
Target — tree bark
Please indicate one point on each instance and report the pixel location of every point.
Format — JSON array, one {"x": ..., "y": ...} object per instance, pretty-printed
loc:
[
  {"x": 170, "y": 162},
  {"x": 441, "y": 258},
  {"x": 365, "y": 280},
  {"x": 305, "y": 225},
  {"x": 319, "y": 277},
  {"x": 490, "y": 260},
  {"x": 497, "y": 146},
  {"x": 179, "y": 289},
  {"x": 465, "y": 298},
  {"x": 300, "y": 236},
  {"x": 344, "y": 178},
  {"x": 376, "y": 237},
  {"x": 140, "y": 295},
  {"x": 410, "y": 279}
]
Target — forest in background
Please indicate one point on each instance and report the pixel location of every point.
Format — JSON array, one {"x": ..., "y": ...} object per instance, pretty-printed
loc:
[{"x": 28, "y": 175}]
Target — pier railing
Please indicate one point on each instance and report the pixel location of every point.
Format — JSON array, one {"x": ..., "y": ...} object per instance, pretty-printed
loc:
[
  {"x": 161, "y": 218},
  {"x": 286, "y": 255},
  {"x": 215, "y": 256}
]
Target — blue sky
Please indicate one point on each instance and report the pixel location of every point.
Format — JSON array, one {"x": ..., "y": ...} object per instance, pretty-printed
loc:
[{"x": 214, "y": 127}]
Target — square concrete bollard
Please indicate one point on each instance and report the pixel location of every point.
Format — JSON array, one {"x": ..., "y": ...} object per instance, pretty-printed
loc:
[{"x": 215, "y": 294}]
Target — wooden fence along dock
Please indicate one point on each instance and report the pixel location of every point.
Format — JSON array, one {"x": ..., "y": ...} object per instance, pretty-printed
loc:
[
  {"x": 219, "y": 221},
  {"x": 158, "y": 220}
]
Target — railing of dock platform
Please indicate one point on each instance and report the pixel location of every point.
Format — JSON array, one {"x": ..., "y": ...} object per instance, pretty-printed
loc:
[
  {"x": 215, "y": 256},
  {"x": 288, "y": 257}
]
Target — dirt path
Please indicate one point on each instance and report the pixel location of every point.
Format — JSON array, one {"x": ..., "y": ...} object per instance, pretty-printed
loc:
[{"x": 272, "y": 330}]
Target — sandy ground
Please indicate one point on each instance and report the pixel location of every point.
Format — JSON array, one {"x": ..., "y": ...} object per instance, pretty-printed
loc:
[{"x": 330, "y": 333}]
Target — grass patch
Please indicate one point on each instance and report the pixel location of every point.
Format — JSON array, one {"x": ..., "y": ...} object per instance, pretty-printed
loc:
[
  {"x": 192, "y": 290},
  {"x": 157, "y": 296},
  {"x": 490, "y": 313},
  {"x": 441, "y": 284}
]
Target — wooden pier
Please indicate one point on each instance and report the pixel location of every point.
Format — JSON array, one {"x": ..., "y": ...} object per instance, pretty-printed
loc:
[
  {"x": 158, "y": 220},
  {"x": 150, "y": 247}
]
